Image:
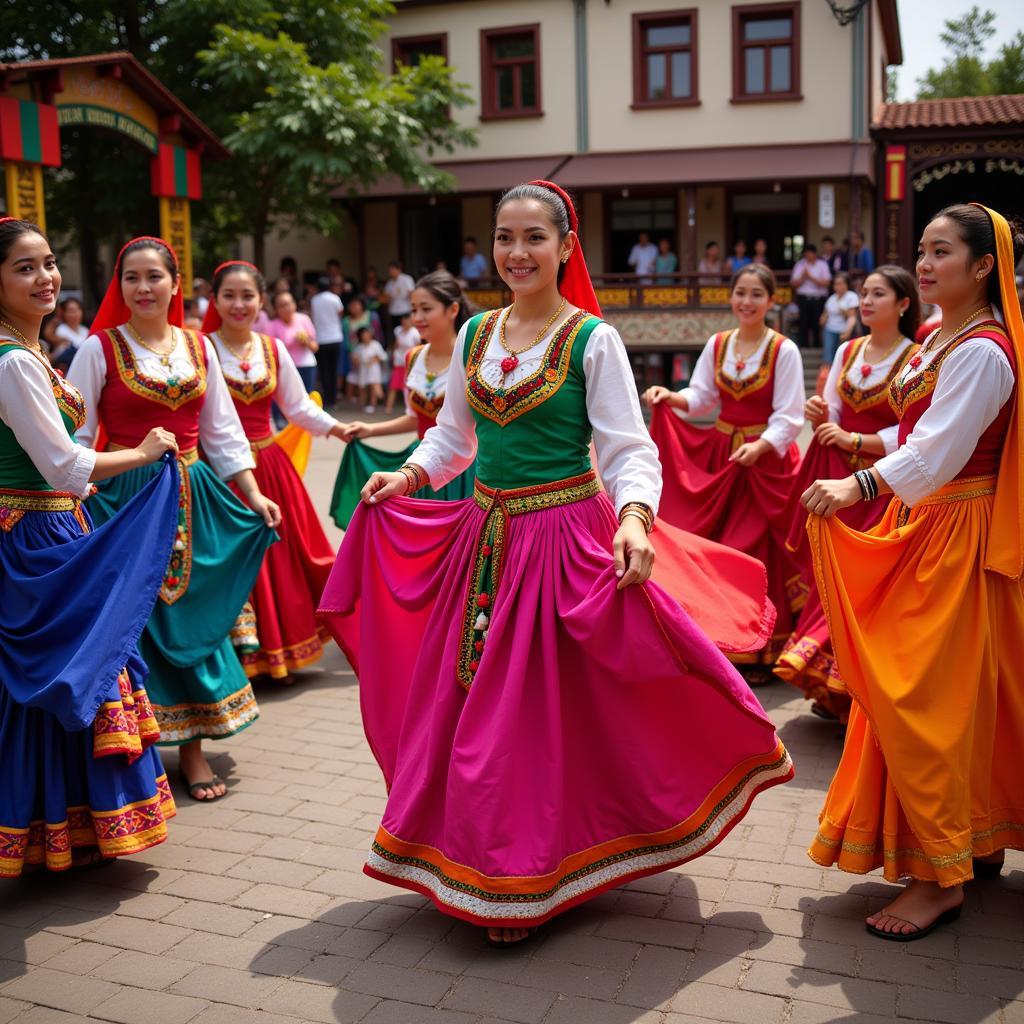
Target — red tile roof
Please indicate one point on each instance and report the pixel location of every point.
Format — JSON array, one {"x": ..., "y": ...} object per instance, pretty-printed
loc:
[{"x": 968, "y": 112}]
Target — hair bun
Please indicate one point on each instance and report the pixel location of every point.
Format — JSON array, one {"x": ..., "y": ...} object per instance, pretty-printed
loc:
[{"x": 1016, "y": 237}]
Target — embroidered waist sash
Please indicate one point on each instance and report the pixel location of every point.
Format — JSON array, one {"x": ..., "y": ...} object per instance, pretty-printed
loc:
[
  {"x": 740, "y": 433},
  {"x": 960, "y": 489},
  {"x": 500, "y": 506},
  {"x": 14, "y": 504}
]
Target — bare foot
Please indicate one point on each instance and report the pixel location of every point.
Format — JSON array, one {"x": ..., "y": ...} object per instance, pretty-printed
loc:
[
  {"x": 916, "y": 907},
  {"x": 509, "y": 935},
  {"x": 196, "y": 768}
]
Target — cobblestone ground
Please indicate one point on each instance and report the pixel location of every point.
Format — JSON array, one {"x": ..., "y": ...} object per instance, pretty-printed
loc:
[{"x": 256, "y": 910}]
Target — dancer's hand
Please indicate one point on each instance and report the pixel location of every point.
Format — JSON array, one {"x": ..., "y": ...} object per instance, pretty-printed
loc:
[
  {"x": 382, "y": 486},
  {"x": 749, "y": 452},
  {"x": 654, "y": 395},
  {"x": 357, "y": 429},
  {"x": 633, "y": 551},
  {"x": 155, "y": 443},
  {"x": 262, "y": 505},
  {"x": 829, "y": 434},
  {"x": 826, "y": 497},
  {"x": 815, "y": 410}
]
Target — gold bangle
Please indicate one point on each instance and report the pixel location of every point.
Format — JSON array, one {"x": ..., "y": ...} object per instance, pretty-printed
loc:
[
  {"x": 640, "y": 511},
  {"x": 417, "y": 476},
  {"x": 857, "y": 441},
  {"x": 410, "y": 480}
]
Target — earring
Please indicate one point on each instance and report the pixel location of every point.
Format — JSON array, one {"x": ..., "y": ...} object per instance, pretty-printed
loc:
[
  {"x": 980, "y": 276},
  {"x": 565, "y": 257}
]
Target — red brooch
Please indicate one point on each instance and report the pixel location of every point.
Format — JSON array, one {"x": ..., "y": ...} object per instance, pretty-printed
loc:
[
  {"x": 487, "y": 551},
  {"x": 509, "y": 363},
  {"x": 865, "y": 370},
  {"x": 741, "y": 365},
  {"x": 244, "y": 367},
  {"x": 915, "y": 361},
  {"x": 478, "y": 647},
  {"x": 483, "y": 600}
]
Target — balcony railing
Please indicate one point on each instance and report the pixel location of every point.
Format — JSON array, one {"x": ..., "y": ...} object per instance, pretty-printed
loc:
[{"x": 662, "y": 292}]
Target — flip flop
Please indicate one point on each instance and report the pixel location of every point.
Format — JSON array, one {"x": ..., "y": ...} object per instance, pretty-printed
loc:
[
  {"x": 216, "y": 780},
  {"x": 946, "y": 917}
]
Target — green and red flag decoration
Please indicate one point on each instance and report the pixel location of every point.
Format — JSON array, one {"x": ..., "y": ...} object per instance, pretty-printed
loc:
[
  {"x": 176, "y": 173},
  {"x": 29, "y": 132}
]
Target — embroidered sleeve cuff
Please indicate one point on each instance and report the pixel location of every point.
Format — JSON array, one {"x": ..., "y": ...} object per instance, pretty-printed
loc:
[{"x": 81, "y": 471}]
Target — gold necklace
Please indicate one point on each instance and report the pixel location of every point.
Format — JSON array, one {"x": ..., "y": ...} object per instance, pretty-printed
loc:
[
  {"x": 164, "y": 357},
  {"x": 511, "y": 361},
  {"x": 36, "y": 349},
  {"x": 741, "y": 361},
  {"x": 866, "y": 368},
  {"x": 965, "y": 324},
  {"x": 244, "y": 363}
]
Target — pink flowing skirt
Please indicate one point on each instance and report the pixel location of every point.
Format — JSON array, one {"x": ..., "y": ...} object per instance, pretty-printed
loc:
[{"x": 603, "y": 735}]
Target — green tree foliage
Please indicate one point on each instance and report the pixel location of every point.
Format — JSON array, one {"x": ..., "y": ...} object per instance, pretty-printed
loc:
[
  {"x": 965, "y": 73},
  {"x": 298, "y": 90}
]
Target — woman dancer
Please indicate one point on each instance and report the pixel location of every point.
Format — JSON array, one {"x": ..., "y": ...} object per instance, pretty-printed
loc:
[
  {"x": 853, "y": 426},
  {"x": 80, "y": 781},
  {"x": 732, "y": 483},
  {"x": 439, "y": 310},
  {"x": 137, "y": 368},
  {"x": 926, "y": 609},
  {"x": 537, "y": 663},
  {"x": 259, "y": 373}
]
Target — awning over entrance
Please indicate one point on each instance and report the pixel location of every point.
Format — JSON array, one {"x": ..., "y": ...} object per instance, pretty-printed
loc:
[
  {"x": 470, "y": 176},
  {"x": 722, "y": 165}
]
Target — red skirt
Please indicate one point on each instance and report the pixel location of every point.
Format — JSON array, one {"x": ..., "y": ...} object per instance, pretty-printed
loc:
[
  {"x": 807, "y": 661},
  {"x": 743, "y": 508},
  {"x": 293, "y": 575}
]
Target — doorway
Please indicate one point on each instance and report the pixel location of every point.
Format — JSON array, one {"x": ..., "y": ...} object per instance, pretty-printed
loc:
[
  {"x": 431, "y": 234},
  {"x": 777, "y": 217}
]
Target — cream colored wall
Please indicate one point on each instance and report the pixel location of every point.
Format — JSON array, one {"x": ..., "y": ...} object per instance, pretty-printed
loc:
[
  {"x": 823, "y": 114},
  {"x": 477, "y": 217},
  {"x": 553, "y": 132},
  {"x": 310, "y": 249}
]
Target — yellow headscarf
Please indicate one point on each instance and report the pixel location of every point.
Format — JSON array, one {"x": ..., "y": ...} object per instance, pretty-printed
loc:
[{"x": 1005, "y": 552}]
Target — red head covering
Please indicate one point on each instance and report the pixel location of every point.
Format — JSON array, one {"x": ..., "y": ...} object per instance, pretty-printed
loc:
[
  {"x": 4, "y": 220},
  {"x": 114, "y": 310},
  {"x": 576, "y": 286},
  {"x": 212, "y": 320}
]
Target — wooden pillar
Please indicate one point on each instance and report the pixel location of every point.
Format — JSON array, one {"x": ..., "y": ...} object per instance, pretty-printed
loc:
[
  {"x": 176, "y": 231},
  {"x": 25, "y": 192}
]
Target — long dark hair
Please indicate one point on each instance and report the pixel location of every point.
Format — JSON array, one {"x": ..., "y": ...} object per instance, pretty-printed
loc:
[
  {"x": 11, "y": 229},
  {"x": 446, "y": 289},
  {"x": 558, "y": 212},
  {"x": 166, "y": 256},
  {"x": 237, "y": 267},
  {"x": 763, "y": 274}
]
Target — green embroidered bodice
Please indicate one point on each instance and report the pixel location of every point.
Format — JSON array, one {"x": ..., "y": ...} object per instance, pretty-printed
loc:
[
  {"x": 537, "y": 430},
  {"x": 17, "y": 470}
]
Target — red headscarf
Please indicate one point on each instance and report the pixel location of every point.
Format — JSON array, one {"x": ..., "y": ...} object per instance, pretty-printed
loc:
[
  {"x": 212, "y": 320},
  {"x": 114, "y": 310},
  {"x": 576, "y": 286}
]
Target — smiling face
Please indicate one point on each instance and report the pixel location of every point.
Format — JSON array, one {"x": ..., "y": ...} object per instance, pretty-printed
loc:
[
  {"x": 238, "y": 299},
  {"x": 750, "y": 300},
  {"x": 880, "y": 306},
  {"x": 29, "y": 278},
  {"x": 946, "y": 273},
  {"x": 147, "y": 285},
  {"x": 431, "y": 317},
  {"x": 527, "y": 249}
]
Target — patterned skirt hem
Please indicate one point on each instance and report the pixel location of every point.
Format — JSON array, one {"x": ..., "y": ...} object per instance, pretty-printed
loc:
[
  {"x": 182, "y": 723},
  {"x": 768, "y": 654},
  {"x": 525, "y": 901},
  {"x": 118, "y": 833},
  {"x": 281, "y": 662}
]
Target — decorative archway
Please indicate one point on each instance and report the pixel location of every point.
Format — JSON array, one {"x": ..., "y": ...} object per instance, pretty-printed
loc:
[{"x": 112, "y": 92}]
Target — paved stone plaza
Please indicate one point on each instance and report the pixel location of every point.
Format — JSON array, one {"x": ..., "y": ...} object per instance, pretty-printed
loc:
[{"x": 256, "y": 910}]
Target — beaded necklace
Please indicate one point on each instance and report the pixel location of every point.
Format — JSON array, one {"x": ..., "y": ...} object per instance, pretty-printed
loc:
[{"x": 511, "y": 361}]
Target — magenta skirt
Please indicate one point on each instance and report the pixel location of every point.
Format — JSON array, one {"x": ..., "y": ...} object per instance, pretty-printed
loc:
[{"x": 543, "y": 736}]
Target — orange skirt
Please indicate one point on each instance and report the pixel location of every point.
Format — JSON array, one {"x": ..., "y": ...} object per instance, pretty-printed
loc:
[{"x": 928, "y": 644}]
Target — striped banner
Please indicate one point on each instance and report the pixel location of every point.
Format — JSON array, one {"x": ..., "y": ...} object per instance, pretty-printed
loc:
[
  {"x": 29, "y": 132},
  {"x": 176, "y": 173}
]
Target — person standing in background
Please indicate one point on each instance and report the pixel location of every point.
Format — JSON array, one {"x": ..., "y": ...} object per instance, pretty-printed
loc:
[
  {"x": 325, "y": 309},
  {"x": 642, "y": 257},
  {"x": 760, "y": 252},
  {"x": 666, "y": 262},
  {"x": 398, "y": 289},
  {"x": 473, "y": 265},
  {"x": 861, "y": 257},
  {"x": 739, "y": 258},
  {"x": 711, "y": 267},
  {"x": 296, "y": 331},
  {"x": 811, "y": 280}
]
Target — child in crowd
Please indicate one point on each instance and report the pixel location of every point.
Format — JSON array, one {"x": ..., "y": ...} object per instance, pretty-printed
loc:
[
  {"x": 368, "y": 358},
  {"x": 406, "y": 338}
]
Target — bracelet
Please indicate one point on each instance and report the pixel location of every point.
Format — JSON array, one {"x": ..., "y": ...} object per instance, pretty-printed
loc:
[
  {"x": 641, "y": 511},
  {"x": 866, "y": 482},
  {"x": 857, "y": 441},
  {"x": 416, "y": 476}
]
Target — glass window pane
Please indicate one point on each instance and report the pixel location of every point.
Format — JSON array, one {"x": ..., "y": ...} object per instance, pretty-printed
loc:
[
  {"x": 780, "y": 69},
  {"x": 656, "y": 76},
  {"x": 506, "y": 47},
  {"x": 528, "y": 84},
  {"x": 681, "y": 75},
  {"x": 505, "y": 88},
  {"x": 754, "y": 70},
  {"x": 415, "y": 52},
  {"x": 767, "y": 28},
  {"x": 669, "y": 35}
]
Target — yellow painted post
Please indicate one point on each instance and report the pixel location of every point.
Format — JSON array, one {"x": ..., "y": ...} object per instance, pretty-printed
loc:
[
  {"x": 176, "y": 230},
  {"x": 25, "y": 192}
]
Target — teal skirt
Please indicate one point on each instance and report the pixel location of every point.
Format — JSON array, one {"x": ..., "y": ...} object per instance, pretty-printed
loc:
[
  {"x": 361, "y": 461},
  {"x": 196, "y": 684}
]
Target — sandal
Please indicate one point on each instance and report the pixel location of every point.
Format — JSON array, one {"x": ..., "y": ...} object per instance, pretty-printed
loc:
[
  {"x": 946, "y": 917},
  {"x": 192, "y": 787},
  {"x": 819, "y": 709},
  {"x": 501, "y": 944},
  {"x": 758, "y": 675},
  {"x": 988, "y": 868}
]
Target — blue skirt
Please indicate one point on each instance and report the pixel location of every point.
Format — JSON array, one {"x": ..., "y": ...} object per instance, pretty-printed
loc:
[{"x": 77, "y": 766}]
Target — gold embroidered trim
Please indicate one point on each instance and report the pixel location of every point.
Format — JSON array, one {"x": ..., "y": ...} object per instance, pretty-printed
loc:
[
  {"x": 740, "y": 389},
  {"x": 859, "y": 399},
  {"x": 249, "y": 391},
  {"x": 739, "y": 435},
  {"x": 420, "y": 403},
  {"x": 172, "y": 392}
]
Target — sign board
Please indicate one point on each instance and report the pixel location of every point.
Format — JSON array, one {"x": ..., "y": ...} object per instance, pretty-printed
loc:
[
  {"x": 827, "y": 206},
  {"x": 104, "y": 101},
  {"x": 25, "y": 192}
]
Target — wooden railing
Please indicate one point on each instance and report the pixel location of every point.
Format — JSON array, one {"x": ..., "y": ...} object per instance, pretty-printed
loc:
[{"x": 627, "y": 291}]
